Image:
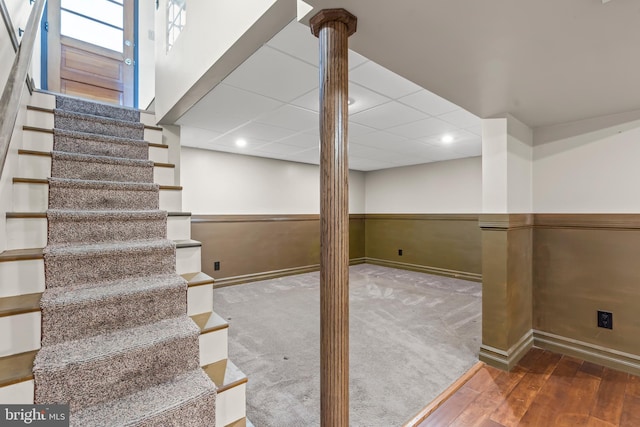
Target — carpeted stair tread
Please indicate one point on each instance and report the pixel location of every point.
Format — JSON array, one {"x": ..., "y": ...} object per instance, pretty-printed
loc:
[
  {"x": 94, "y": 184},
  {"x": 61, "y": 355},
  {"x": 69, "y": 265},
  {"x": 97, "y": 109},
  {"x": 104, "y": 145},
  {"x": 100, "y": 168},
  {"x": 76, "y": 312},
  {"x": 96, "y": 124},
  {"x": 102, "y": 195},
  {"x": 92, "y": 370},
  {"x": 72, "y": 226},
  {"x": 98, "y": 249},
  {"x": 187, "y": 399},
  {"x": 88, "y": 293},
  {"x": 93, "y": 158},
  {"x": 76, "y": 215}
]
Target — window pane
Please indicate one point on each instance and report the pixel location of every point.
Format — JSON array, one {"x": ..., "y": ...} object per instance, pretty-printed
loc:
[
  {"x": 90, "y": 31},
  {"x": 102, "y": 10}
]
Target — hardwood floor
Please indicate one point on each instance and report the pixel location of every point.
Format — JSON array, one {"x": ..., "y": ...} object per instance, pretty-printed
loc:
[{"x": 545, "y": 389}]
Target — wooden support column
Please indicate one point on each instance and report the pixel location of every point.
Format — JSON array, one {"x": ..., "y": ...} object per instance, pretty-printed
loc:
[{"x": 333, "y": 28}]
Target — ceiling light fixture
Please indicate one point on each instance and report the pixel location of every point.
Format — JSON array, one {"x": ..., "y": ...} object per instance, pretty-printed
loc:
[
  {"x": 447, "y": 139},
  {"x": 351, "y": 101},
  {"x": 240, "y": 142}
]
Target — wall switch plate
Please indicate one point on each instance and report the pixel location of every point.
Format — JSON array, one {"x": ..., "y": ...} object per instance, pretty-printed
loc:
[
  {"x": 399, "y": 252},
  {"x": 605, "y": 319},
  {"x": 216, "y": 265}
]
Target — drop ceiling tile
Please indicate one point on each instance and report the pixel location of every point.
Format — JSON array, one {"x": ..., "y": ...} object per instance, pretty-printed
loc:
[
  {"x": 378, "y": 78},
  {"x": 274, "y": 74},
  {"x": 364, "y": 99},
  {"x": 230, "y": 139},
  {"x": 387, "y": 115},
  {"x": 461, "y": 118},
  {"x": 476, "y": 130},
  {"x": 365, "y": 165},
  {"x": 428, "y": 102},
  {"x": 308, "y": 156},
  {"x": 225, "y": 108},
  {"x": 409, "y": 147},
  {"x": 381, "y": 140},
  {"x": 296, "y": 40},
  {"x": 261, "y": 131},
  {"x": 191, "y": 135},
  {"x": 291, "y": 117},
  {"x": 277, "y": 148},
  {"x": 309, "y": 101},
  {"x": 423, "y": 128},
  {"x": 363, "y": 151},
  {"x": 304, "y": 140},
  {"x": 355, "y": 59},
  {"x": 356, "y": 130}
]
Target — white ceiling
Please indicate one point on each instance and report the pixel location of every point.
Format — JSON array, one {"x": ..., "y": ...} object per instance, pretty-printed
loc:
[
  {"x": 271, "y": 102},
  {"x": 545, "y": 62}
]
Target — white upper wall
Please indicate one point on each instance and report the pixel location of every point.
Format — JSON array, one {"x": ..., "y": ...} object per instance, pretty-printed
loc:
[
  {"x": 453, "y": 186},
  {"x": 218, "y": 183},
  {"x": 595, "y": 171},
  {"x": 506, "y": 166}
]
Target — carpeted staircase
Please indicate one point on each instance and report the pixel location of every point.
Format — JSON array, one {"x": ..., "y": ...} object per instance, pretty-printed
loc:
[{"x": 117, "y": 344}]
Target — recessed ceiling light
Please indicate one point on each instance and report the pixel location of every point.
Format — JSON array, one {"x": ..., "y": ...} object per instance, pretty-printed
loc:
[
  {"x": 241, "y": 142},
  {"x": 351, "y": 101},
  {"x": 447, "y": 139}
]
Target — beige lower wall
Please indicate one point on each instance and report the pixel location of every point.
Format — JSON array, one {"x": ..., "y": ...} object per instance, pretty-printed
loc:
[
  {"x": 584, "y": 263},
  {"x": 251, "y": 247},
  {"x": 441, "y": 243}
]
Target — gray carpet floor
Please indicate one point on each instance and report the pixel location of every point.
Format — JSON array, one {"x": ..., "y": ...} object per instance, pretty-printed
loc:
[{"x": 411, "y": 336}]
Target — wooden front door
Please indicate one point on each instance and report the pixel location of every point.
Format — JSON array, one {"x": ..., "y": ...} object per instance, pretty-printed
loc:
[{"x": 91, "y": 49}]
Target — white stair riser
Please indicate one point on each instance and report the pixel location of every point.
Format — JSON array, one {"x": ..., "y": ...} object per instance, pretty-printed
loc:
[
  {"x": 163, "y": 175},
  {"x": 39, "y": 167},
  {"x": 152, "y": 135},
  {"x": 35, "y": 167},
  {"x": 37, "y": 141},
  {"x": 159, "y": 155},
  {"x": 21, "y": 277},
  {"x": 39, "y": 119},
  {"x": 42, "y": 141},
  {"x": 19, "y": 333},
  {"x": 27, "y": 276},
  {"x": 199, "y": 299},
  {"x": 188, "y": 260},
  {"x": 42, "y": 100},
  {"x": 179, "y": 227},
  {"x": 171, "y": 201},
  {"x": 148, "y": 119},
  {"x": 213, "y": 346},
  {"x": 34, "y": 197},
  {"x": 17, "y": 394},
  {"x": 27, "y": 233},
  {"x": 230, "y": 405}
]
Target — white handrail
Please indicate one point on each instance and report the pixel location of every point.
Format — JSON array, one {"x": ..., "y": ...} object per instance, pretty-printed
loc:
[{"x": 10, "y": 100}]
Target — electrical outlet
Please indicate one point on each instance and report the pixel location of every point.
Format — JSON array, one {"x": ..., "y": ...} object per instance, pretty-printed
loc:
[
  {"x": 216, "y": 265},
  {"x": 605, "y": 319},
  {"x": 399, "y": 252}
]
